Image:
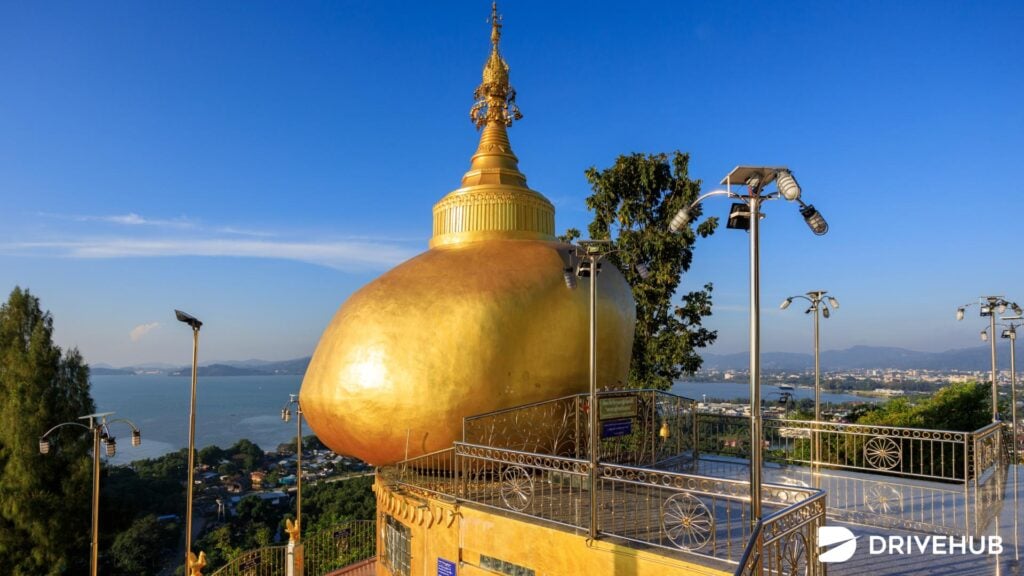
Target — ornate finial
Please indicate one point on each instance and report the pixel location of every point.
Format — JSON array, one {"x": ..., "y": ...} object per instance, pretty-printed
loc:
[
  {"x": 196, "y": 564},
  {"x": 495, "y": 25},
  {"x": 293, "y": 530},
  {"x": 495, "y": 97}
]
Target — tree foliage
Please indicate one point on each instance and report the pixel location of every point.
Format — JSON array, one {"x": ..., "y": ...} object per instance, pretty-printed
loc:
[
  {"x": 142, "y": 547},
  {"x": 964, "y": 407},
  {"x": 45, "y": 504},
  {"x": 633, "y": 202}
]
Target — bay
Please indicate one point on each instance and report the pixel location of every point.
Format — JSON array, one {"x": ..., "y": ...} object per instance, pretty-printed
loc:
[
  {"x": 729, "y": 390},
  {"x": 228, "y": 408}
]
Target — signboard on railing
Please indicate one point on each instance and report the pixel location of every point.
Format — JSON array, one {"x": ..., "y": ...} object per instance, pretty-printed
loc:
[
  {"x": 616, "y": 428},
  {"x": 617, "y": 407}
]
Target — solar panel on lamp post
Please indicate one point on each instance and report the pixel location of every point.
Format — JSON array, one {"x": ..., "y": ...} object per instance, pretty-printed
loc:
[{"x": 755, "y": 178}]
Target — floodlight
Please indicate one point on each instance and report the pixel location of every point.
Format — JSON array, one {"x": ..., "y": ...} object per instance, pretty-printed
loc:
[
  {"x": 1007, "y": 333},
  {"x": 188, "y": 319},
  {"x": 986, "y": 310}
]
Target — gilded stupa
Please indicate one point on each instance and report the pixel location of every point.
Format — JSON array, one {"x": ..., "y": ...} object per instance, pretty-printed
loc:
[{"x": 483, "y": 320}]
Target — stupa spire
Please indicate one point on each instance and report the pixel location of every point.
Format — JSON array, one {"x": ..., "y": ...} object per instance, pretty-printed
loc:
[
  {"x": 495, "y": 97},
  {"x": 494, "y": 201}
]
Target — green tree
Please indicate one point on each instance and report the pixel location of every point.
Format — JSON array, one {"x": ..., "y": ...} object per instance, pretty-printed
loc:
[
  {"x": 44, "y": 500},
  {"x": 633, "y": 202},
  {"x": 141, "y": 548}
]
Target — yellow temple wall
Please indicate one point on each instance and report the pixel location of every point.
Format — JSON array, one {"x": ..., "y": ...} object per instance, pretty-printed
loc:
[{"x": 463, "y": 534}]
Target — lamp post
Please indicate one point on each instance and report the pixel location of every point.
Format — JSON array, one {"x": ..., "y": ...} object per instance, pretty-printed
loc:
[
  {"x": 746, "y": 215},
  {"x": 286, "y": 415},
  {"x": 988, "y": 306},
  {"x": 819, "y": 307},
  {"x": 190, "y": 559},
  {"x": 1010, "y": 333},
  {"x": 99, "y": 427},
  {"x": 589, "y": 253}
]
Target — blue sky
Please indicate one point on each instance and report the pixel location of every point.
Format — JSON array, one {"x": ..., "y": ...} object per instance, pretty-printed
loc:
[{"x": 255, "y": 163}]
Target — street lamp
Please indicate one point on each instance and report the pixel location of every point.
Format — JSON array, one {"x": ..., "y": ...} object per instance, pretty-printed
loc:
[
  {"x": 1010, "y": 333},
  {"x": 286, "y": 416},
  {"x": 191, "y": 560},
  {"x": 819, "y": 307},
  {"x": 588, "y": 254},
  {"x": 99, "y": 427},
  {"x": 988, "y": 306},
  {"x": 746, "y": 215}
]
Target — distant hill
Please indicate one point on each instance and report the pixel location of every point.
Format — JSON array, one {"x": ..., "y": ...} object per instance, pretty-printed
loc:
[
  {"x": 296, "y": 367},
  {"x": 864, "y": 358},
  {"x": 105, "y": 371}
]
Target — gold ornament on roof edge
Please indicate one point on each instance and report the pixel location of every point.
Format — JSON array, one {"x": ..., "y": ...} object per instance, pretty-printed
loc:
[{"x": 481, "y": 321}]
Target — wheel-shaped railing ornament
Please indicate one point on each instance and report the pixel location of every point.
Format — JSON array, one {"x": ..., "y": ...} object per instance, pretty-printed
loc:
[
  {"x": 686, "y": 521},
  {"x": 882, "y": 453},
  {"x": 883, "y": 499},
  {"x": 516, "y": 488},
  {"x": 794, "y": 555}
]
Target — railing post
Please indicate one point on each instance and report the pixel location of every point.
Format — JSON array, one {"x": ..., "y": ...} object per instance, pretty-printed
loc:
[
  {"x": 294, "y": 559},
  {"x": 696, "y": 435}
]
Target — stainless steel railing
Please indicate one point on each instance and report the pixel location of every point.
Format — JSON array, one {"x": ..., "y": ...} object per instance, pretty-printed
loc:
[
  {"x": 324, "y": 552},
  {"x": 785, "y": 543},
  {"x": 694, "y": 515},
  {"x": 639, "y": 427}
]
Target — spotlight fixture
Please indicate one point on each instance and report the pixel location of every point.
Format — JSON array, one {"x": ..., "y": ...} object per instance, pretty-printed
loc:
[
  {"x": 785, "y": 303},
  {"x": 1009, "y": 334},
  {"x": 986, "y": 310},
  {"x": 832, "y": 300},
  {"x": 739, "y": 216},
  {"x": 814, "y": 219}
]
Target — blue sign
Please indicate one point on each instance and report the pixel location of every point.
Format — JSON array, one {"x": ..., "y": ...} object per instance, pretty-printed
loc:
[
  {"x": 445, "y": 567},
  {"x": 614, "y": 428}
]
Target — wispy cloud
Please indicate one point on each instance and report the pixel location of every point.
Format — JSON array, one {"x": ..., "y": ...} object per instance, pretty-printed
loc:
[
  {"x": 129, "y": 219},
  {"x": 343, "y": 255},
  {"x": 141, "y": 330}
]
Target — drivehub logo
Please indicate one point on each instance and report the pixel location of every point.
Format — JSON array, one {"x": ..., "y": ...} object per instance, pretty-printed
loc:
[
  {"x": 838, "y": 544},
  {"x": 844, "y": 542}
]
